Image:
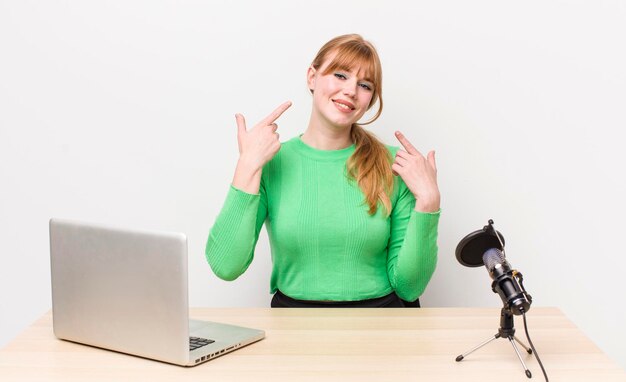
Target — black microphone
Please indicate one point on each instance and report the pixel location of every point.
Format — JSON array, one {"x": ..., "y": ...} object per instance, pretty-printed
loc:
[
  {"x": 507, "y": 282},
  {"x": 486, "y": 247}
]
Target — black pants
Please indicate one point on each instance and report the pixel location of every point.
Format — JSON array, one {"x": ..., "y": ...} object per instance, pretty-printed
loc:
[{"x": 389, "y": 301}]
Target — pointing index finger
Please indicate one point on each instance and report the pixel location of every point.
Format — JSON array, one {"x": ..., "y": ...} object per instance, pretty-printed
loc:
[
  {"x": 408, "y": 146},
  {"x": 276, "y": 113}
]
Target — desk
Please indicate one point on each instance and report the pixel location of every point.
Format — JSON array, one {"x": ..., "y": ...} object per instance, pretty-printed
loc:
[{"x": 334, "y": 344}]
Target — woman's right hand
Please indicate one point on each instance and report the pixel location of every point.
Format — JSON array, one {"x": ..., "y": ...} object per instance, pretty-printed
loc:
[
  {"x": 259, "y": 144},
  {"x": 256, "y": 147}
]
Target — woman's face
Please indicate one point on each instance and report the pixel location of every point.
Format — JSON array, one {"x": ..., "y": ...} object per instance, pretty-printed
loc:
[{"x": 341, "y": 97}]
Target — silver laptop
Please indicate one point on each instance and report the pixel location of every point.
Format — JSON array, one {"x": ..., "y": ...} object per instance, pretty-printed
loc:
[{"x": 126, "y": 291}]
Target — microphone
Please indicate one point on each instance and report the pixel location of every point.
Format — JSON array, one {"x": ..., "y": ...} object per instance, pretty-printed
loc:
[
  {"x": 507, "y": 282},
  {"x": 486, "y": 247}
]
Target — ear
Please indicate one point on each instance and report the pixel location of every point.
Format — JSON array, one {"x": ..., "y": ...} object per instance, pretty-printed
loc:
[{"x": 310, "y": 78}]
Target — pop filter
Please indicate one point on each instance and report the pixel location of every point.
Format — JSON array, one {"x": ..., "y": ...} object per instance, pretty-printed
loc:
[{"x": 471, "y": 248}]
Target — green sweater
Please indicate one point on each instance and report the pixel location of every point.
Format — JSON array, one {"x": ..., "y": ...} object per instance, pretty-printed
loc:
[{"x": 324, "y": 244}]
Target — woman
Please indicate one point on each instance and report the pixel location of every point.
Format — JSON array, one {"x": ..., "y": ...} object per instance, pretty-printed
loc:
[{"x": 348, "y": 224}]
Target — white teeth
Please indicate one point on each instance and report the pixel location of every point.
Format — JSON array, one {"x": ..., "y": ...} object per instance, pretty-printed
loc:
[{"x": 345, "y": 107}]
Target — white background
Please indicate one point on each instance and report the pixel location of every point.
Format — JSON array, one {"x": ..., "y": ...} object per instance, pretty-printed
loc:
[{"x": 123, "y": 113}]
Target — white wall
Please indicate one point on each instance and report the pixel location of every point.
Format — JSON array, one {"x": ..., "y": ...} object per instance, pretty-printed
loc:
[{"x": 123, "y": 113}]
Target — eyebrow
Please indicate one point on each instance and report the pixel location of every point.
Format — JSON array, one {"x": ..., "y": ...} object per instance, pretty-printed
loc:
[{"x": 368, "y": 79}]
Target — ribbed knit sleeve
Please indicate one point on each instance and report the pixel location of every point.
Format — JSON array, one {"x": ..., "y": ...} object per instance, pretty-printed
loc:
[
  {"x": 412, "y": 250},
  {"x": 231, "y": 242}
]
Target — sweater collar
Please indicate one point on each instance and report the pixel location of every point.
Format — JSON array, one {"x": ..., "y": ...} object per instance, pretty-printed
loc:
[{"x": 330, "y": 155}]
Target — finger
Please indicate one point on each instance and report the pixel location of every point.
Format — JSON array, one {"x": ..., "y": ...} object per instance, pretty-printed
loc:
[
  {"x": 274, "y": 127},
  {"x": 403, "y": 154},
  {"x": 276, "y": 113},
  {"x": 401, "y": 161},
  {"x": 241, "y": 123},
  {"x": 396, "y": 169},
  {"x": 406, "y": 144},
  {"x": 431, "y": 160}
]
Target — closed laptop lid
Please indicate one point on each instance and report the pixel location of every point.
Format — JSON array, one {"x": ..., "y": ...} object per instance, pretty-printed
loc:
[{"x": 122, "y": 290}]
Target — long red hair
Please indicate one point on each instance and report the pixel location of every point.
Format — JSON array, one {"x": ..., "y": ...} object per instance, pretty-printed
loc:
[{"x": 370, "y": 164}]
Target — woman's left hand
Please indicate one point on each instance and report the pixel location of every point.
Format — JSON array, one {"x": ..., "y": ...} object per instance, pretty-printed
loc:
[{"x": 419, "y": 174}]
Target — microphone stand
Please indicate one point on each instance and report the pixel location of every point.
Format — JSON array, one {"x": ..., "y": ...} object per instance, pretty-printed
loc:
[{"x": 506, "y": 330}]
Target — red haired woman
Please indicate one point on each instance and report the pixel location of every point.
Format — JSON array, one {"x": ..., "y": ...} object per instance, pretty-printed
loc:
[{"x": 351, "y": 222}]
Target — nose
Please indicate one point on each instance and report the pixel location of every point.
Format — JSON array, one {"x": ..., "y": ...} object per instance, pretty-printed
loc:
[{"x": 349, "y": 89}]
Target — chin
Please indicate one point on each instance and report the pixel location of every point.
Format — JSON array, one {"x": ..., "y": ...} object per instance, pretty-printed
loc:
[
  {"x": 343, "y": 124},
  {"x": 343, "y": 121}
]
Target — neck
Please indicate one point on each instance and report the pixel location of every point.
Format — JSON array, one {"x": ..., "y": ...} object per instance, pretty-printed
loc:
[{"x": 323, "y": 137}]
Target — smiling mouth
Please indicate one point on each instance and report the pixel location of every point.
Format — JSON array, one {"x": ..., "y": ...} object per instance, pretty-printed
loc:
[{"x": 343, "y": 105}]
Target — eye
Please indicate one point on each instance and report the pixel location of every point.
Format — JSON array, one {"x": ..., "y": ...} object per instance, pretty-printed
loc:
[
  {"x": 341, "y": 76},
  {"x": 366, "y": 86}
]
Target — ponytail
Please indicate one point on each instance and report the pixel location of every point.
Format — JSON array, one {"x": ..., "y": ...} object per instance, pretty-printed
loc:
[{"x": 370, "y": 166}]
